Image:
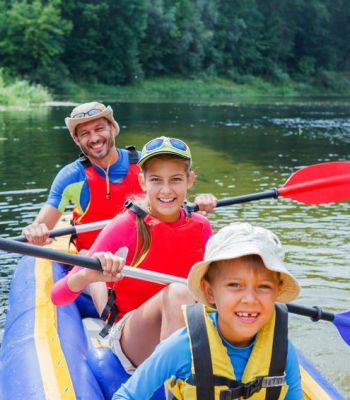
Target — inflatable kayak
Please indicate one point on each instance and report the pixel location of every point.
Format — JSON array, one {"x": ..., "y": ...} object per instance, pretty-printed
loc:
[{"x": 55, "y": 353}]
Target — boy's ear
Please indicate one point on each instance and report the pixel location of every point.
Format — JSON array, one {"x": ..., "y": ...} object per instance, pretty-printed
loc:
[
  {"x": 207, "y": 290},
  {"x": 142, "y": 181},
  {"x": 191, "y": 179},
  {"x": 280, "y": 287}
]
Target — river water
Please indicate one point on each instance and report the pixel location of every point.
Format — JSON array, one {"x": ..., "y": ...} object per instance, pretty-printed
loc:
[{"x": 237, "y": 149}]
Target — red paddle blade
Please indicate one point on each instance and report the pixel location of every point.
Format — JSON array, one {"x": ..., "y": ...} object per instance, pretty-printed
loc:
[{"x": 319, "y": 183}]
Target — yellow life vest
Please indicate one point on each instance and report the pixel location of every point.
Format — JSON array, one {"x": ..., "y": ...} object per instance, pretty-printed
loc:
[{"x": 213, "y": 376}]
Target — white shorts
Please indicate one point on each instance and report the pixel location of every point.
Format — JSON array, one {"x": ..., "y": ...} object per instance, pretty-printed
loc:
[{"x": 114, "y": 341}]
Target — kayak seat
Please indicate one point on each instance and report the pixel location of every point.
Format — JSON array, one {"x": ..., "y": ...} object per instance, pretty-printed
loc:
[
  {"x": 109, "y": 372},
  {"x": 86, "y": 306}
]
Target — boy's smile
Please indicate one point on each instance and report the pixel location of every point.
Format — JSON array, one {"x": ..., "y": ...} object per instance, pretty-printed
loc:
[{"x": 244, "y": 293}]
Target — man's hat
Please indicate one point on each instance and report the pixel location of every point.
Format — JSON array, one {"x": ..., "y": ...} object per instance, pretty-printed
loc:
[{"x": 88, "y": 112}]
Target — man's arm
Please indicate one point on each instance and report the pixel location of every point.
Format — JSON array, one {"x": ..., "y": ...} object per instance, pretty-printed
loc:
[{"x": 38, "y": 232}]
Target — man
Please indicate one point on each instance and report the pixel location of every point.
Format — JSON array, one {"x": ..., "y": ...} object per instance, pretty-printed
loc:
[{"x": 98, "y": 183}]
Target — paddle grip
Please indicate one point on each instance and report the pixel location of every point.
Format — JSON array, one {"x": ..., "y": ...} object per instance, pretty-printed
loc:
[
  {"x": 273, "y": 193},
  {"x": 52, "y": 234},
  {"x": 315, "y": 313}
]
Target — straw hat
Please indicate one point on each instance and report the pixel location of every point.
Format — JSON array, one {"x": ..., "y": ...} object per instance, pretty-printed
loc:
[
  {"x": 241, "y": 239},
  {"x": 88, "y": 112}
]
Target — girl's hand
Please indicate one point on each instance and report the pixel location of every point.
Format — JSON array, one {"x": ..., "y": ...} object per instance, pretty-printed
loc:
[
  {"x": 205, "y": 202},
  {"x": 112, "y": 266},
  {"x": 111, "y": 271}
]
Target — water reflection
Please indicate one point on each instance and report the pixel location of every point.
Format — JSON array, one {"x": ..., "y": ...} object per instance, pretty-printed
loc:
[{"x": 237, "y": 149}]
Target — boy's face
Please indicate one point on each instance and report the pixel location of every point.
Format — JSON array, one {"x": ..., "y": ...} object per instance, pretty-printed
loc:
[{"x": 244, "y": 292}]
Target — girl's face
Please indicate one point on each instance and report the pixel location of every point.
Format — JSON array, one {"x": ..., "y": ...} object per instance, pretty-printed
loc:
[
  {"x": 244, "y": 292},
  {"x": 166, "y": 182}
]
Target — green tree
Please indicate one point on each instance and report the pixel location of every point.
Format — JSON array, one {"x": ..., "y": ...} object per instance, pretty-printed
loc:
[
  {"x": 104, "y": 43},
  {"x": 32, "y": 40}
]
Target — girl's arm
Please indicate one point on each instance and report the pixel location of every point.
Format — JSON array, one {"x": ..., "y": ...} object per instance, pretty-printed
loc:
[
  {"x": 207, "y": 231},
  {"x": 120, "y": 232}
]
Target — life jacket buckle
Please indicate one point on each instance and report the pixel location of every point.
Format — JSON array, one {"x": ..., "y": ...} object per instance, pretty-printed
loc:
[{"x": 244, "y": 390}]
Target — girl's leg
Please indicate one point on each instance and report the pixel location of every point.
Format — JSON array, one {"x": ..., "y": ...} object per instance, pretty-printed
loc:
[{"x": 154, "y": 321}]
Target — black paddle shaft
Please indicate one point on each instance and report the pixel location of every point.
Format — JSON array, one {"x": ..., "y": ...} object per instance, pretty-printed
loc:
[
  {"x": 13, "y": 246},
  {"x": 70, "y": 230},
  {"x": 273, "y": 193},
  {"x": 315, "y": 313}
]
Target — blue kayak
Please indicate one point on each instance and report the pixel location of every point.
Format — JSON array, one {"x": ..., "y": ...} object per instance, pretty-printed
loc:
[{"x": 47, "y": 353}]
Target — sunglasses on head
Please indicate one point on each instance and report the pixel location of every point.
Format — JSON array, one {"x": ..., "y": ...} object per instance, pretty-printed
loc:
[
  {"x": 90, "y": 113},
  {"x": 160, "y": 142}
]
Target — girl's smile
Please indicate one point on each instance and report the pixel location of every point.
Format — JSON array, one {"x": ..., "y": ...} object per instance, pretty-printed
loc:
[{"x": 166, "y": 182}]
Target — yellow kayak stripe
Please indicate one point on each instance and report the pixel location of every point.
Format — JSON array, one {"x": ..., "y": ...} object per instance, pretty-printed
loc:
[
  {"x": 311, "y": 388},
  {"x": 53, "y": 366}
]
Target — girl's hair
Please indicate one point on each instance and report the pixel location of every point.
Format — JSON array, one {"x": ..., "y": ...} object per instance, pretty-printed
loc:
[
  {"x": 143, "y": 240},
  {"x": 165, "y": 157}
]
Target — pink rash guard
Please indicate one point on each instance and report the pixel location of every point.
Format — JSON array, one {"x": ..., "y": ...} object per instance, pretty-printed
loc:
[{"x": 120, "y": 232}]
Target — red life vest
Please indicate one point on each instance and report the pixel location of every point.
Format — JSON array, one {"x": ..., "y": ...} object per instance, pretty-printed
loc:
[
  {"x": 173, "y": 250},
  {"x": 100, "y": 206}
]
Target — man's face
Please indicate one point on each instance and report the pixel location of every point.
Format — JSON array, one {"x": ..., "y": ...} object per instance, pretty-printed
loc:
[{"x": 96, "y": 139}]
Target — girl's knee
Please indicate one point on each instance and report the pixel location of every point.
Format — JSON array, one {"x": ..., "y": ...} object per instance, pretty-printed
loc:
[{"x": 179, "y": 293}]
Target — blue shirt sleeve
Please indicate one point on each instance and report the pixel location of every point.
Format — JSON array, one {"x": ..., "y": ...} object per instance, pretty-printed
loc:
[
  {"x": 172, "y": 357},
  {"x": 67, "y": 186},
  {"x": 293, "y": 378}
]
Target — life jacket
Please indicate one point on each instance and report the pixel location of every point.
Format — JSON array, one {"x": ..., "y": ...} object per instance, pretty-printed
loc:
[
  {"x": 173, "y": 250},
  {"x": 104, "y": 206},
  {"x": 213, "y": 376}
]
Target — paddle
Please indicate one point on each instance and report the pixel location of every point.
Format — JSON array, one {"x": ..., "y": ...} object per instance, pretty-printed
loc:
[
  {"x": 70, "y": 230},
  {"x": 315, "y": 184},
  {"x": 341, "y": 320}
]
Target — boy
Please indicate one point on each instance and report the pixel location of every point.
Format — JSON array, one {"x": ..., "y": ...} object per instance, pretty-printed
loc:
[{"x": 240, "y": 349}]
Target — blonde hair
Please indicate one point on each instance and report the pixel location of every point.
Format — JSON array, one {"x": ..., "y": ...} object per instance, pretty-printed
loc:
[
  {"x": 252, "y": 259},
  {"x": 143, "y": 239}
]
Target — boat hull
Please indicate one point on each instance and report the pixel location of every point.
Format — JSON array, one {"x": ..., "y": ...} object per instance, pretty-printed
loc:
[{"x": 45, "y": 353}]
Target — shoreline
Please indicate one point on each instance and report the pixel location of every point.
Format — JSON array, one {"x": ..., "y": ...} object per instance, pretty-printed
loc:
[{"x": 207, "y": 91}]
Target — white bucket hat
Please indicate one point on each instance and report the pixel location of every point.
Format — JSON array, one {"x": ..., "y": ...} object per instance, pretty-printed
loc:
[
  {"x": 88, "y": 112},
  {"x": 241, "y": 239}
]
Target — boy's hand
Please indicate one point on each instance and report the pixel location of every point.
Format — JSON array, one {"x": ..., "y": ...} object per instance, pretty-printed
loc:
[{"x": 205, "y": 202}]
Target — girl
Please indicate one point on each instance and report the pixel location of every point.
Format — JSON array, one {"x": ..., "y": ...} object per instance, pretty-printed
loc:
[{"x": 155, "y": 234}]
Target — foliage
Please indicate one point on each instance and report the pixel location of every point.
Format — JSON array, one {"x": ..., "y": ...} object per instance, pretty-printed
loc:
[
  {"x": 120, "y": 42},
  {"x": 32, "y": 40},
  {"x": 21, "y": 93}
]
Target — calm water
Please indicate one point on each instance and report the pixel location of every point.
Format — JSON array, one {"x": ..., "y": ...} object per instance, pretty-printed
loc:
[{"x": 238, "y": 149}]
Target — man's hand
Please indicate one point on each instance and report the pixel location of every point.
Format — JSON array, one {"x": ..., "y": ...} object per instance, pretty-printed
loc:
[
  {"x": 37, "y": 234},
  {"x": 205, "y": 202}
]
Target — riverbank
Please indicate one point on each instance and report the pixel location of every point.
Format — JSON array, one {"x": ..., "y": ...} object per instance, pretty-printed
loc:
[
  {"x": 250, "y": 89},
  {"x": 21, "y": 93},
  {"x": 213, "y": 89}
]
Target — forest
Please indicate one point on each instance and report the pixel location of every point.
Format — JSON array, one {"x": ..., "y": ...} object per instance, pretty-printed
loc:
[{"x": 118, "y": 42}]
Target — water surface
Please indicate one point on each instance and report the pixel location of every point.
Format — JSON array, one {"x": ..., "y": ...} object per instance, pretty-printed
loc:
[{"x": 237, "y": 149}]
